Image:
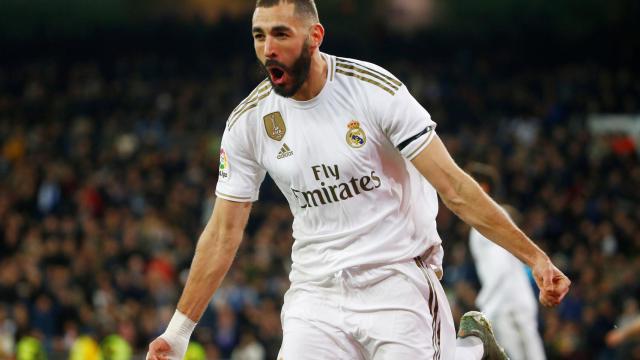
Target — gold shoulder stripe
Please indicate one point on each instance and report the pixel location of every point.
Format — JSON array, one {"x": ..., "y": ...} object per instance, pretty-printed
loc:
[
  {"x": 362, "y": 71},
  {"x": 248, "y": 107},
  {"x": 247, "y": 104},
  {"x": 253, "y": 102},
  {"x": 371, "y": 81},
  {"x": 258, "y": 88},
  {"x": 254, "y": 94},
  {"x": 392, "y": 79}
]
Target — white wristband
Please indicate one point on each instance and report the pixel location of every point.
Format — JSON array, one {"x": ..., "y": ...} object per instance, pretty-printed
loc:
[
  {"x": 180, "y": 326},
  {"x": 177, "y": 336}
]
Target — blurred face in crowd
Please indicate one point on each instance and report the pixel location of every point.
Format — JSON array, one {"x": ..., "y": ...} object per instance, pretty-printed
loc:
[{"x": 285, "y": 42}]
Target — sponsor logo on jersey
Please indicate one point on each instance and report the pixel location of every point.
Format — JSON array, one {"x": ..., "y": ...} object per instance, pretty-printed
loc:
[
  {"x": 332, "y": 189},
  {"x": 274, "y": 125},
  {"x": 284, "y": 152},
  {"x": 356, "y": 138},
  {"x": 223, "y": 169}
]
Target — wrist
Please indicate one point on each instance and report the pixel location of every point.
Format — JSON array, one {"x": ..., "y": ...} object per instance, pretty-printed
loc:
[
  {"x": 541, "y": 259},
  {"x": 180, "y": 327},
  {"x": 537, "y": 258}
]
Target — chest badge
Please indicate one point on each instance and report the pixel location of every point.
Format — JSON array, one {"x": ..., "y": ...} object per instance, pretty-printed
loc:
[
  {"x": 274, "y": 125},
  {"x": 356, "y": 138}
]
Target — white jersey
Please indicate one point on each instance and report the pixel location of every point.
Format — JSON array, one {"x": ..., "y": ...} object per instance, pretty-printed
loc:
[
  {"x": 341, "y": 160},
  {"x": 505, "y": 286}
]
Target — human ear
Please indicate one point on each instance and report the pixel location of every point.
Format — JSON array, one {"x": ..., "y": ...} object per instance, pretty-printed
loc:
[{"x": 316, "y": 35}]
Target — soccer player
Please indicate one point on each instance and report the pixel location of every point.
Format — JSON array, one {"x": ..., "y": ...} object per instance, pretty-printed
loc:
[
  {"x": 506, "y": 296},
  {"x": 360, "y": 164}
]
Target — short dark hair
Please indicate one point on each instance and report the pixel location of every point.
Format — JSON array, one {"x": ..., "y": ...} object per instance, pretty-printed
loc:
[{"x": 306, "y": 8}]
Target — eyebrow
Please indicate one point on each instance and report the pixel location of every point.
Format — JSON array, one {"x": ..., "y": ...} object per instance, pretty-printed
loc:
[{"x": 277, "y": 28}]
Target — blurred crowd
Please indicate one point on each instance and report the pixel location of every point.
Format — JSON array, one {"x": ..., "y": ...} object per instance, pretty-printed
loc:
[{"x": 107, "y": 172}]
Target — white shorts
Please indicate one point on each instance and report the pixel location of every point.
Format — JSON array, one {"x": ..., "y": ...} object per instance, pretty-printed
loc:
[
  {"x": 397, "y": 311},
  {"x": 517, "y": 332}
]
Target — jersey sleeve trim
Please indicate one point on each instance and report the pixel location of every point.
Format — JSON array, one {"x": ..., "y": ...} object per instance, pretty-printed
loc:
[
  {"x": 233, "y": 198},
  {"x": 419, "y": 146},
  {"x": 404, "y": 144}
]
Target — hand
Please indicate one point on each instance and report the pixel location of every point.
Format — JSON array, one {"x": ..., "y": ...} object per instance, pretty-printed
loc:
[
  {"x": 615, "y": 337},
  {"x": 553, "y": 284},
  {"x": 160, "y": 349}
]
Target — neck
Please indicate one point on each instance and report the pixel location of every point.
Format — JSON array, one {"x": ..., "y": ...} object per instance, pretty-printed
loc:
[{"x": 316, "y": 79}]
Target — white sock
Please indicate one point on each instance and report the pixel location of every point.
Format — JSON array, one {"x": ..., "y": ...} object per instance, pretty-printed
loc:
[{"x": 470, "y": 347}]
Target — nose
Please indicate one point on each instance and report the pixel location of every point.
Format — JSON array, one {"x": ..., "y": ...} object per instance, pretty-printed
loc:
[{"x": 269, "y": 48}]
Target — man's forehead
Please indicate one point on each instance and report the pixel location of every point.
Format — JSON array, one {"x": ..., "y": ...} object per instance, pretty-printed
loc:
[{"x": 282, "y": 14}]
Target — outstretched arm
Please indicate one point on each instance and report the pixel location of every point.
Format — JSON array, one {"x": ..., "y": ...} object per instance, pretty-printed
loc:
[
  {"x": 214, "y": 254},
  {"x": 618, "y": 336},
  {"x": 467, "y": 200}
]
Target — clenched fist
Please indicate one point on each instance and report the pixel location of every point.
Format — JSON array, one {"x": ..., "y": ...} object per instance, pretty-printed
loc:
[{"x": 553, "y": 284}]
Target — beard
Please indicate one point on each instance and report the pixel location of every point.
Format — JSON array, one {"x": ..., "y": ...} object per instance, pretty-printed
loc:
[{"x": 297, "y": 73}]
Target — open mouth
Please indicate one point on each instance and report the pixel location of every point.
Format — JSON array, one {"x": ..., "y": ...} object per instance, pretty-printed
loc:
[{"x": 277, "y": 74}]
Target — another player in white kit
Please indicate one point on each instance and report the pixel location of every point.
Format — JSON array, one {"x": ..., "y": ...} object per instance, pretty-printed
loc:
[
  {"x": 352, "y": 151},
  {"x": 506, "y": 296},
  {"x": 507, "y": 299}
]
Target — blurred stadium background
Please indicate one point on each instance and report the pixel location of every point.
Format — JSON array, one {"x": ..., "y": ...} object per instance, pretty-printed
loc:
[{"x": 111, "y": 113}]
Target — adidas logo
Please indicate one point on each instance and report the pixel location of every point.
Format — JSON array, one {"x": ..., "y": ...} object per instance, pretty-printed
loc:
[{"x": 284, "y": 152}]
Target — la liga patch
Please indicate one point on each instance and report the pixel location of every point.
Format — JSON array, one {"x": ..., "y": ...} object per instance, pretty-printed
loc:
[{"x": 223, "y": 168}]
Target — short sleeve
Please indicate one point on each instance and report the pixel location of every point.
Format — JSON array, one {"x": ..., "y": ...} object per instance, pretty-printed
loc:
[
  {"x": 240, "y": 175},
  {"x": 407, "y": 124}
]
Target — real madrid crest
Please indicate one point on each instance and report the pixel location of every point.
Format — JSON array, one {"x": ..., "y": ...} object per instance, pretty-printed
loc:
[
  {"x": 356, "y": 137},
  {"x": 274, "y": 124}
]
